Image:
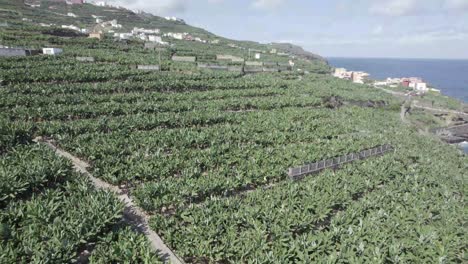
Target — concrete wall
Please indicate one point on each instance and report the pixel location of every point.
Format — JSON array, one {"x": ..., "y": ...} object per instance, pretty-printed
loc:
[
  {"x": 148, "y": 67},
  {"x": 254, "y": 63},
  {"x": 149, "y": 45},
  {"x": 213, "y": 67},
  {"x": 235, "y": 68},
  {"x": 85, "y": 59},
  {"x": 4, "y": 52},
  {"x": 252, "y": 69}
]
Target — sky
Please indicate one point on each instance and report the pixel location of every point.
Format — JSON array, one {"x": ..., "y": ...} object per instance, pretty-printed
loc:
[{"x": 332, "y": 28}]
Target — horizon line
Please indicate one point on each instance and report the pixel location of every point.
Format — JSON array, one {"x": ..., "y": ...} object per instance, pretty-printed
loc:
[{"x": 395, "y": 58}]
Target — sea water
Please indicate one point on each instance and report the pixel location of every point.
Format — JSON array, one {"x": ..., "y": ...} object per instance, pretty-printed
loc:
[{"x": 464, "y": 147}]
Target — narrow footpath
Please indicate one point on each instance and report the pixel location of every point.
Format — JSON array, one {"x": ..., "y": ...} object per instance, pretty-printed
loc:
[
  {"x": 133, "y": 215},
  {"x": 415, "y": 105}
]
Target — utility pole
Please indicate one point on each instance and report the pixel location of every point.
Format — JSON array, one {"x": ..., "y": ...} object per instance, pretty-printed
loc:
[{"x": 159, "y": 50}]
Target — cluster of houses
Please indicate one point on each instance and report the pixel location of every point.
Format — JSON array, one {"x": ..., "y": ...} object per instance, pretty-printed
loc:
[
  {"x": 174, "y": 19},
  {"x": 355, "y": 76},
  {"x": 148, "y": 35},
  {"x": 416, "y": 83},
  {"x": 184, "y": 36}
]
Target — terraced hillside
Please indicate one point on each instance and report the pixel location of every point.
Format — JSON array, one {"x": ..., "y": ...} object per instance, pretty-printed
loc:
[{"x": 205, "y": 155}]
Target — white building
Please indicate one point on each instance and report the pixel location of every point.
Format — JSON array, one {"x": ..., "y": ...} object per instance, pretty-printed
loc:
[
  {"x": 380, "y": 83},
  {"x": 393, "y": 81},
  {"x": 154, "y": 38},
  {"x": 99, "y": 3},
  {"x": 51, "y": 51},
  {"x": 419, "y": 86},
  {"x": 71, "y": 15},
  {"x": 114, "y": 24},
  {"x": 123, "y": 36},
  {"x": 174, "y": 19},
  {"x": 359, "y": 77},
  {"x": 340, "y": 73},
  {"x": 258, "y": 56},
  {"x": 179, "y": 36},
  {"x": 145, "y": 31},
  {"x": 72, "y": 27}
]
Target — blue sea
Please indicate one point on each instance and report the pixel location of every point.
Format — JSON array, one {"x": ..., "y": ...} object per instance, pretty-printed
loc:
[
  {"x": 464, "y": 146},
  {"x": 450, "y": 76}
]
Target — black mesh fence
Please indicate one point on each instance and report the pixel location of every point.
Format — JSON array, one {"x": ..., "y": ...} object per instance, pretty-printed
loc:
[{"x": 299, "y": 173}]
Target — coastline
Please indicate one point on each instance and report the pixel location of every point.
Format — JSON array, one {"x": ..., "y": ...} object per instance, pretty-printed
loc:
[
  {"x": 448, "y": 75},
  {"x": 426, "y": 108}
]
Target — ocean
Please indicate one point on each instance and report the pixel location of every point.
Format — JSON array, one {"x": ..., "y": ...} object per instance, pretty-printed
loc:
[
  {"x": 449, "y": 76},
  {"x": 464, "y": 147}
]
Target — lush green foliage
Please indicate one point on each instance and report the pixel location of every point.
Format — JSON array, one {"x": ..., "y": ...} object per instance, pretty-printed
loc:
[
  {"x": 187, "y": 145},
  {"x": 123, "y": 245},
  {"x": 26, "y": 170},
  {"x": 52, "y": 225},
  {"x": 354, "y": 214}
]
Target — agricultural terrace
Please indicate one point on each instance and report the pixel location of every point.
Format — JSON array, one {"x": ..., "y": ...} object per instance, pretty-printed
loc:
[{"x": 206, "y": 155}]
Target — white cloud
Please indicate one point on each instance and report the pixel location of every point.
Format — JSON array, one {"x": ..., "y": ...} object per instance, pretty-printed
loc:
[
  {"x": 159, "y": 7},
  {"x": 430, "y": 37},
  {"x": 377, "y": 30},
  {"x": 267, "y": 4},
  {"x": 458, "y": 5},
  {"x": 394, "y": 7}
]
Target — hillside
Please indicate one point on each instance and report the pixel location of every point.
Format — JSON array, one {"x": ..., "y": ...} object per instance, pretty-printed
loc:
[
  {"x": 297, "y": 50},
  {"x": 116, "y": 152},
  {"x": 51, "y": 12}
]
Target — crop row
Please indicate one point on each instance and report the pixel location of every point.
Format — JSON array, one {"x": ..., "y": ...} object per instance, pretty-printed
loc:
[
  {"x": 122, "y": 109},
  {"x": 18, "y": 100},
  {"x": 26, "y": 170}
]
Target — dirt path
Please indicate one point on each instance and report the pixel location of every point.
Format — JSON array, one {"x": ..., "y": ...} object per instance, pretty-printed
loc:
[
  {"x": 395, "y": 93},
  {"x": 132, "y": 213},
  {"x": 415, "y": 105},
  {"x": 403, "y": 110}
]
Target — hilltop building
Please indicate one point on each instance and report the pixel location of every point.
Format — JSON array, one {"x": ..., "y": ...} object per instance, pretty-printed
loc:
[
  {"x": 174, "y": 19},
  {"x": 96, "y": 35}
]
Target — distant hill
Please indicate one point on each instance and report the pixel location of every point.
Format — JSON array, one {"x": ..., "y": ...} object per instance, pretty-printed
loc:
[
  {"x": 297, "y": 50},
  {"x": 84, "y": 16}
]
